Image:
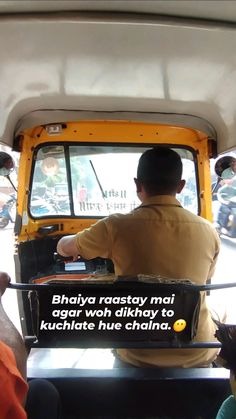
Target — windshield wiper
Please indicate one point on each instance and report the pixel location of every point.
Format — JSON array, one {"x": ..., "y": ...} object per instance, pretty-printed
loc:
[{"x": 98, "y": 181}]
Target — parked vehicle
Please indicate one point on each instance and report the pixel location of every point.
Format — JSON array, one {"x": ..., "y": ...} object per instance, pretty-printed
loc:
[
  {"x": 8, "y": 211},
  {"x": 46, "y": 203}
]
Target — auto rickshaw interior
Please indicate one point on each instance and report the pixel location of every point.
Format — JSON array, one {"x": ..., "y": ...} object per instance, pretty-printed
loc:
[
  {"x": 72, "y": 180},
  {"x": 85, "y": 172}
]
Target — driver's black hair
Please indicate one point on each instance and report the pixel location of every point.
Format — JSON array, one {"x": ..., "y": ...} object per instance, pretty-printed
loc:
[{"x": 160, "y": 170}]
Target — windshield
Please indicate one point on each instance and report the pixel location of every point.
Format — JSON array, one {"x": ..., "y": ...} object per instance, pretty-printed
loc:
[{"x": 95, "y": 180}]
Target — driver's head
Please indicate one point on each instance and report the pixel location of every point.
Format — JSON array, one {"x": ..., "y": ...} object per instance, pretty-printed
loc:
[{"x": 159, "y": 172}]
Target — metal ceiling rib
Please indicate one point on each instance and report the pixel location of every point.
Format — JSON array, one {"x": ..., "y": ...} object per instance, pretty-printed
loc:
[{"x": 212, "y": 10}]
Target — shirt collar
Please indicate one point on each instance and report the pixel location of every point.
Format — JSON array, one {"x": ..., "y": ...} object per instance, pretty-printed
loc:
[{"x": 161, "y": 199}]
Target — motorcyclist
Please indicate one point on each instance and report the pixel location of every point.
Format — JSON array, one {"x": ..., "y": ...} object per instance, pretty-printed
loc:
[{"x": 226, "y": 194}]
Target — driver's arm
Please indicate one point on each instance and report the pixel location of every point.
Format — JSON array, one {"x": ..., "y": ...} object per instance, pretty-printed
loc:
[{"x": 92, "y": 242}]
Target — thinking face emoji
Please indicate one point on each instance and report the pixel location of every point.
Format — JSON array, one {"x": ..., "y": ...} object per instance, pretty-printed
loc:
[{"x": 179, "y": 325}]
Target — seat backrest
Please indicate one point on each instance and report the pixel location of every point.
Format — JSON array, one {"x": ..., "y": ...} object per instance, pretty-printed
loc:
[
  {"x": 140, "y": 311},
  {"x": 126, "y": 313}
]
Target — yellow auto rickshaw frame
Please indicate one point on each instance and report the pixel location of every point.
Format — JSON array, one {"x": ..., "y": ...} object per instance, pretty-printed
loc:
[{"x": 106, "y": 132}]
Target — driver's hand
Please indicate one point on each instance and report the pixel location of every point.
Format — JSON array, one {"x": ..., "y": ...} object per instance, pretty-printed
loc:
[{"x": 4, "y": 281}]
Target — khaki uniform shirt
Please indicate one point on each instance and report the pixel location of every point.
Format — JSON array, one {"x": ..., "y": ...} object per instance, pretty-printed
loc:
[{"x": 159, "y": 237}]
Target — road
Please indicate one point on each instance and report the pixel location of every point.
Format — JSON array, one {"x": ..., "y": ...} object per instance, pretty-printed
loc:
[{"x": 225, "y": 272}]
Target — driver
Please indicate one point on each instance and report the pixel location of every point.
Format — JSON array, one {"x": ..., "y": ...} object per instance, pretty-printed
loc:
[{"x": 159, "y": 237}]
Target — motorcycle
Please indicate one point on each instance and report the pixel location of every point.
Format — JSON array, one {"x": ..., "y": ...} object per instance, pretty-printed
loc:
[
  {"x": 7, "y": 211},
  {"x": 225, "y": 222},
  {"x": 48, "y": 204}
]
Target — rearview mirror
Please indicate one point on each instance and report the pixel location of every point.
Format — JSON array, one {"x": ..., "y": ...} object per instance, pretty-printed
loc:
[
  {"x": 7, "y": 164},
  {"x": 222, "y": 164}
]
